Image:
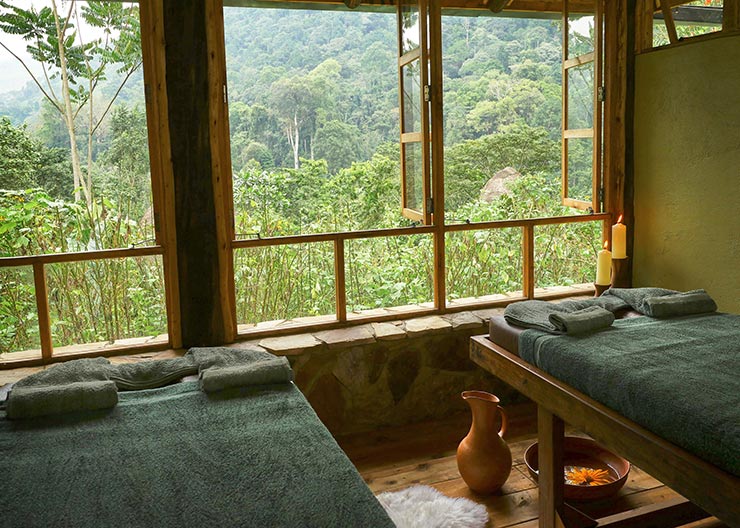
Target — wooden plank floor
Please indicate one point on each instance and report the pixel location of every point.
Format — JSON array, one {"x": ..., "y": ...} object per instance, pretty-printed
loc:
[{"x": 392, "y": 459}]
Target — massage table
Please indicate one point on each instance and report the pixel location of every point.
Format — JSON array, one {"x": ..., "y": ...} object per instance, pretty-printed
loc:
[
  {"x": 709, "y": 487},
  {"x": 176, "y": 457}
]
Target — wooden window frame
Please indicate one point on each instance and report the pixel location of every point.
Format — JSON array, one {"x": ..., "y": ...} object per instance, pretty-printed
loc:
[
  {"x": 420, "y": 137},
  {"x": 595, "y": 132},
  {"x": 644, "y": 20},
  {"x": 150, "y": 16},
  {"x": 153, "y": 49}
]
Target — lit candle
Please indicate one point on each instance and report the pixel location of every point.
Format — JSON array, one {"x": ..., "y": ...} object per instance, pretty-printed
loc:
[
  {"x": 604, "y": 266},
  {"x": 619, "y": 239}
]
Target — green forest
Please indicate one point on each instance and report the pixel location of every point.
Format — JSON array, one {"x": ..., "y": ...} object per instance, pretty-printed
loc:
[{"x": 313, "y": 110}]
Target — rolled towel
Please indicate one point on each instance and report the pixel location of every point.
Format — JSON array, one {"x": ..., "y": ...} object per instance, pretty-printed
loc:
[
  {"x": 151, "y": 374},
  {"x": 266, "y": 372},
  {"x": 29, "y": 402},
  {"x": 689, "y": 303},
  {"x": 207, "y": 357},
  {"x": 581, "y": 321}
]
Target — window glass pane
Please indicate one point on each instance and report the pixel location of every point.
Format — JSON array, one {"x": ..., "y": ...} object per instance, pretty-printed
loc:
[
  {"x": 102, "y": 197},
  {"x": 107, "y": 302},
  {"x": 483, "y": 264},
  {"x": 414, "y": 176},
  {"x": 314, "y": 120},
  {"x": 581, "y": 96},
  {"x": 19, "y": 328},
  {"x": 565, "y": 254},
  {"x": 411, "y": 97},
  {"x": 691, "y": 19},
  {"x": 502, "y": 118},
  {"x": 580, "y": 162},
  {"x": 580, "y": 35},
  {"x": 389, "y": 273},
  {"x": 410, "y": 29},
  {"x": 284, "y": 282}
]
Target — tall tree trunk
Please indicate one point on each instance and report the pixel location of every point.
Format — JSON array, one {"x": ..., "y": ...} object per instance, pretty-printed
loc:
[
  {"x": 68, "y": 112},
  {"x": 294, "y": 139}
]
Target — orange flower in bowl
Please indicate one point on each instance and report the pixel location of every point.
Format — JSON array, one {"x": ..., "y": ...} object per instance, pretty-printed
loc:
[{"x": 584, "y": 476}]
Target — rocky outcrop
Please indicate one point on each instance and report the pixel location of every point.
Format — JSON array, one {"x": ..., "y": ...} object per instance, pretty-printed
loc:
[{"x": 499, "y": 184}]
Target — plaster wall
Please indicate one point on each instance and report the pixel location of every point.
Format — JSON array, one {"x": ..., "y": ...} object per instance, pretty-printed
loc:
[{"x": 687, "y": 169}]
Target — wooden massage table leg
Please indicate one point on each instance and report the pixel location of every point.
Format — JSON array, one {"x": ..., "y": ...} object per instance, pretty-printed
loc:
[
  {"x": 550, "y": 433},
  {"x": 553, "y": 511}
]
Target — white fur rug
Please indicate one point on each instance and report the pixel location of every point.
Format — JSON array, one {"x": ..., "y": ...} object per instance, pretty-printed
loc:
[{"x": 425, "y": 507}]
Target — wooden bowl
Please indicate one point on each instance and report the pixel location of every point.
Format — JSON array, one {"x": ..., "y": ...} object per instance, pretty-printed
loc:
[{"x": 584, "y": 452}]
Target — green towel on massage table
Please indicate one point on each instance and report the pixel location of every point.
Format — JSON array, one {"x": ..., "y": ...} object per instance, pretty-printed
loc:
[
  {"x": 267, "y": 372},
  {"x": 221, "y": 367},
  {"x": 660, "y": 302},
  {"x": 689, "y": 303},
  {"x": 33, "y": 401},
  {"x": 582, "y": 321}
]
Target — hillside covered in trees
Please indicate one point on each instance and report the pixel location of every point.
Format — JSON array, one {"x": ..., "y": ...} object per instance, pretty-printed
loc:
[{"x": 313, "y": 107}]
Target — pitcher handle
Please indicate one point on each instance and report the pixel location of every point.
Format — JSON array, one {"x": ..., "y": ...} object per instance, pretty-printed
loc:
[{"x": 502, "y": 432}]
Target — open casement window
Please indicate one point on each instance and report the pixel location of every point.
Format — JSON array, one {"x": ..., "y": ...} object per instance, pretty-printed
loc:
[
  {"x": 582, "y": 107},
  {"x": 414, "y": 87}
]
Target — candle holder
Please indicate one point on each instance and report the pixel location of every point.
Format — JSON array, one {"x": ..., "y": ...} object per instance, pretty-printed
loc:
[
  {"x": 620, "y": 277},
  {"x": 600, "y": 288}
]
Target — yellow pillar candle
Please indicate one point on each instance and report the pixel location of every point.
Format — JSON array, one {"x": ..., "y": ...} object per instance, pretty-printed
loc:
[
  {"x": 604, "y": 266},
  {"x": 619, "y": 239}
]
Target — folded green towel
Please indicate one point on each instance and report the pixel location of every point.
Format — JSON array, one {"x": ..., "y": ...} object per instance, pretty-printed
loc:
[
  {"x": 79, "y": 370},
  {"x": 536, "y": 314},
  {"x": 268, "y": 372},
  {"x": 660, "y": 302},
  {"x": 581, "y": 321},
  {"x": 151, "y": 374},
  {"x": 32, "y": 401},
  {"x": 689, "y": 303},
  {"x": 207, "y": 357}
]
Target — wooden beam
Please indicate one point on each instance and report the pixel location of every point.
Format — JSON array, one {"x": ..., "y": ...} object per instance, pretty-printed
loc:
[
  {"x": 673, "y": 512},
  {"x": 42, "y": 309},
  {"x": 221, "y": 172},
  {"x": 731, "y": 15},
  {"x": 189, "y": 98},
  {"x": 669, "y": 22},
  {"x": 163, "y": 185},
  {"x": 644, "y": 10},
  {"x": 523, "y": 6}
]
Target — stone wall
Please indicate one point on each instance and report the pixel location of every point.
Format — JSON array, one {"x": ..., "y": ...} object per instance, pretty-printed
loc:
[{"x": 382, "y": 374}]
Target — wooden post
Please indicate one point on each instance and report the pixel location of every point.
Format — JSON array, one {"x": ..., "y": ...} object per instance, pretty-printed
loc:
[
  {"x": 528, "y": 253},
  {"x": 437, "y": 143},
  {"x": 163, "y": 185},
  {"x": 42, "y": 309},
  {"x": 731, "y": 15},
  {"x": 340, "y": 285},
  {"x": 619, "y": 78},
  {"x": 643, "y": 25},
  {"x": 550, "y": 433},
  {"x": 221, "y": 163},
  {"x": 199, "y": 226}
]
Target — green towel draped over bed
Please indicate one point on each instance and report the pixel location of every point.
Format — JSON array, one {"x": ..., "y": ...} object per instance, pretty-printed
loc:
[{"x": 176, "y": 457}]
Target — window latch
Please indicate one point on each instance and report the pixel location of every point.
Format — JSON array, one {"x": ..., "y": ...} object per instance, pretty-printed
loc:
[
  {"x": 430, "y": 205},
  {"x": 426, "y": 93},
  {"x": 601, "y": 93},
  {"x": 225, "y": 95}
]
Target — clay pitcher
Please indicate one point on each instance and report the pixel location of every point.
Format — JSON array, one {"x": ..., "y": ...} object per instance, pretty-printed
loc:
[{"x": 483, "y": 458}]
